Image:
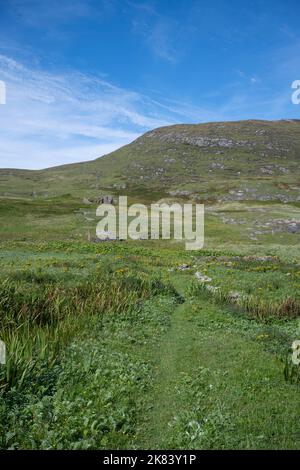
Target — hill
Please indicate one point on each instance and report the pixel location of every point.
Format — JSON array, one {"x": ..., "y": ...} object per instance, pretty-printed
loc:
[{"x": 222, "y": 161}]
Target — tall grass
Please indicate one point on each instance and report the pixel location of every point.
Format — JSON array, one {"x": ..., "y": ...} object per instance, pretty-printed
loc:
[
  {"x": 260, "y": 308},
  {"x": 38, "y": 319}
]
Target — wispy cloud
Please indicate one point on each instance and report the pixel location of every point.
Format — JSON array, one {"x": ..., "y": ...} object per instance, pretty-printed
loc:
[
  {"x": 61, "y": 117},
  {"x": 38, "y": 13},
  {"x": 55, "y": 118},
  {"x": 160, "y": 33}
]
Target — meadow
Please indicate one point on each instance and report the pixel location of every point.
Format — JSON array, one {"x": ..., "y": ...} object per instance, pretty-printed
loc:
[{"x": 123, "y": 345}]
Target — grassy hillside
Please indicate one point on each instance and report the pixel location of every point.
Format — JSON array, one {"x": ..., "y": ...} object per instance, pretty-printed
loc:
[
  {"x": 247, "y": 160},
  {"x": 141, "y": 344}
]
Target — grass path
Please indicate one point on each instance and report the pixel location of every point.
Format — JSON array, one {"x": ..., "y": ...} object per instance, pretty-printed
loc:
[
  {"x": 217, "y": 387},
  {"x": 161, "y": 374}
]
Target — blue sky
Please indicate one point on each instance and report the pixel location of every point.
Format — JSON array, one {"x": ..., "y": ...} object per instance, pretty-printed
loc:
[{"x": 84, "y": 77}]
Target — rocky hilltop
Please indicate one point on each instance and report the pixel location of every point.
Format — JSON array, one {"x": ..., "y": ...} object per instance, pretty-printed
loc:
[{"x": 223, "y": 161}]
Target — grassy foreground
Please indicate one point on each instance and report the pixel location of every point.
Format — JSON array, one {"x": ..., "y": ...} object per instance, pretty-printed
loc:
[
  {"x": 127, "y": 345},
  {"x": 115, "y": 345}
]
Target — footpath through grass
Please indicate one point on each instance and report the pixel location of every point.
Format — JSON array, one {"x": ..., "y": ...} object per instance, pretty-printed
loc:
[
  {"x": 92, "y": 397},
  {"x": 217, "y": 386},
  {"x": 153, "y": 363}
]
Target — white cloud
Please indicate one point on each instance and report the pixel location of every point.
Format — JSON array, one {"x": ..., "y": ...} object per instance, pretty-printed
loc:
[
  {"x": 48, "y": 117},
  {"x": 53, "y": 157},
  {"x": 57, "y": 118},
  {"x": 63, "y": 117}
]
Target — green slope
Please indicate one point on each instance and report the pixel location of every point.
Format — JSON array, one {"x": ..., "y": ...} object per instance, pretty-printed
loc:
[{"x": 246, "y": 160}]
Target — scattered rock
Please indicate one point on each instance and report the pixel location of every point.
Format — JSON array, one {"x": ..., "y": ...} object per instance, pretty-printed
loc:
[
  {"x": 212, "y": 289},
  {"x": 184, "y": 267},
  {"x": 260, "y": 258},
  {"x": 202, "y": 277},
  {"x": 103, "y": 235},
  {"x": 234, "y": 296},
  {"x": 99, "y": 200},
  {"x": 86, "y": 201}
]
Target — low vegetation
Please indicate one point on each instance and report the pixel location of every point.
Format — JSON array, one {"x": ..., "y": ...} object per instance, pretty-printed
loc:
[
  {"x": 141, "y": 344},
  {"x": 105, "y": 353}
]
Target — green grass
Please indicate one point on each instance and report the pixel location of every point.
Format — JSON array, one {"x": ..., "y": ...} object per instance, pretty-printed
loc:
[
  {"x": 265, "y": 287},
  {"x": 217, "y": 388},
  {"x": 114, "y": 346},
  {"x": 105, "y": 353},
  {"x": 40, "y": 312},
  {"x": 159, "y": 367},
  {"x": 170, "y": 159},
  {"x": 92, "y": 396}
]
